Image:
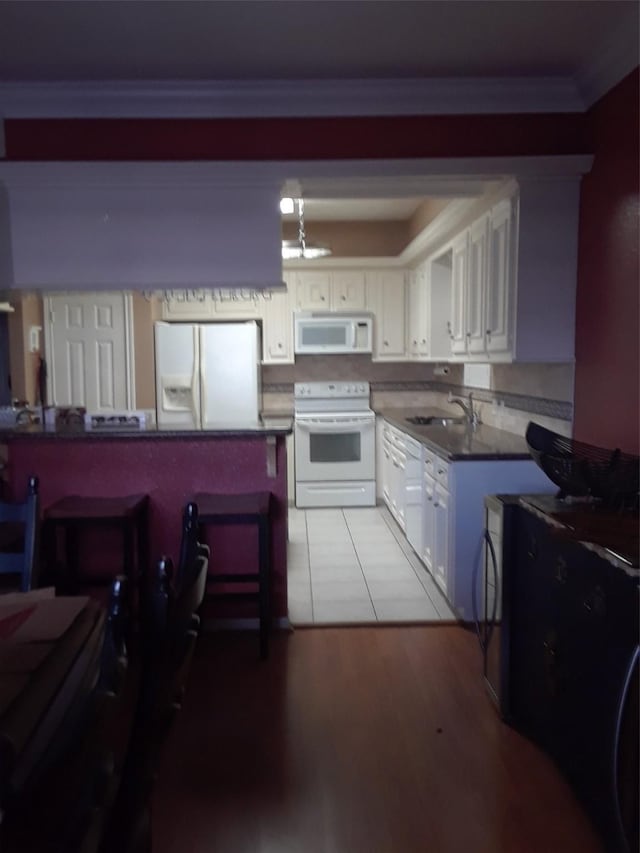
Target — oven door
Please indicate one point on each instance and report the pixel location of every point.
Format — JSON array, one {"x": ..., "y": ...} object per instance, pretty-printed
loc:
[{"x": 335, "y": 447}]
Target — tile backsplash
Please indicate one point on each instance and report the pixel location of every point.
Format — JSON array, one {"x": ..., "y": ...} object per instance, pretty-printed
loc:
[{"x": 518, "y": 393}]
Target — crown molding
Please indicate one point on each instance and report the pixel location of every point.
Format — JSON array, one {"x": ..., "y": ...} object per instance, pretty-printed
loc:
[
  {"x": 619, "y": 56},
  {"x": 281, "y": 98}
]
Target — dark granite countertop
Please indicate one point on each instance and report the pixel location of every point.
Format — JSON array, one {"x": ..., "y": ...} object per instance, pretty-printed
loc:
[
  {"x": 459, "y": 442},
  {"x": 613, "y": 534},
  {"x": 269, "y": 426}
]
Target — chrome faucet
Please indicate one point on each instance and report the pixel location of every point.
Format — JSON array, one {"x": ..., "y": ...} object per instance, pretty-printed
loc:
[{"x": 473, "y": 418}]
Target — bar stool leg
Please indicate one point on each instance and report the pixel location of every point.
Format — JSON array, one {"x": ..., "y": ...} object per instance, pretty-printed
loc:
[
  {"x": 72, "y": 556},
  {"x": 263, "y": 568}
]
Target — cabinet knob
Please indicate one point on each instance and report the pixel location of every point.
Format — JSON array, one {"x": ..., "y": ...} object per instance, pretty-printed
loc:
[
  {"x": 343, "y": 297},
  {"x": 468, "y": 334},
  {"x": 561, "y": 570},
  {"x": 435, "y": 503},
  {"x": 488, "y": 332},
  {"x": 386, "y": 343},
  {"x": 279, "y": 346}
]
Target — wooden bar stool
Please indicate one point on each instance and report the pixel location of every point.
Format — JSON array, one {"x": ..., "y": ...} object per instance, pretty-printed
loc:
[
  {"x": 243, "y": 508},
  {"x": 78, "y": 513}
]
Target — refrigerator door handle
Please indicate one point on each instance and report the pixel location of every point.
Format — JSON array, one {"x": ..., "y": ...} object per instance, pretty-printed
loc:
[
  {"x": 474, "y": 597},
  {"x": 197, "y": 379},
  {"x": 199, "y": 366},
  {"x": 494, "y": 566}
]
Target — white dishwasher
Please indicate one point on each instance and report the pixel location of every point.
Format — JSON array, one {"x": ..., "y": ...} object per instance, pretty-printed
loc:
[{"x": 413, "y": 493}]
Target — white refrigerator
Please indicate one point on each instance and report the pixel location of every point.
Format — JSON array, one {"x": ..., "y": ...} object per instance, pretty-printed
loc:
[{"x": 207, "y": 375}]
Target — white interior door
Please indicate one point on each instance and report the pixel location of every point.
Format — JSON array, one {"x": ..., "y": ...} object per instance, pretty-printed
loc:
[{"x": 88, "y": 347}]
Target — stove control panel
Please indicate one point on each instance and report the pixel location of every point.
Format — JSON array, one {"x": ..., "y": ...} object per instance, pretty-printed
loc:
[{"x": 331, "y": 390}]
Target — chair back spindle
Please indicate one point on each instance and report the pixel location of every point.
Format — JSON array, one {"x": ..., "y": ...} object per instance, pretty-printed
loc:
[{"x": 20, "y": 530}]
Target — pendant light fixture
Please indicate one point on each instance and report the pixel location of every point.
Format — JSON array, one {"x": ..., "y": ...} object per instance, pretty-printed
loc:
[{"x": 302, "y": 248}]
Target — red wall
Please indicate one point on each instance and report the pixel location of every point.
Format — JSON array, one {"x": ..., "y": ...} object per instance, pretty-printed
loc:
[
  {"x": 607, "y": 356},
  {"x": 295, "y": 138}
]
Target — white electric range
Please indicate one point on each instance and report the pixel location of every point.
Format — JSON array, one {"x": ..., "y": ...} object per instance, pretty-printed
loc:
[{"x": 334, "y": 444}]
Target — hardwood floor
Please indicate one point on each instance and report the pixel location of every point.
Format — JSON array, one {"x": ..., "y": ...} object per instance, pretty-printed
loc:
[{"x": 355, "y": 740}]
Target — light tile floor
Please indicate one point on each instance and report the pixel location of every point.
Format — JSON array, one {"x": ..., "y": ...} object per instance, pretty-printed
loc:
[{"x": 354, "y": 566}]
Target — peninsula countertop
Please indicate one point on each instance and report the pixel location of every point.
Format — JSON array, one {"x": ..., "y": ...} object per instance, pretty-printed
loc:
[
  {"x": 458, "y": 442},
  {"x": 268, "y": 426}
]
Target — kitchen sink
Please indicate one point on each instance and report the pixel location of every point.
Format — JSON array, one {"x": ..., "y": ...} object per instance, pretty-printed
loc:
[{"x": 421, "y": 420}]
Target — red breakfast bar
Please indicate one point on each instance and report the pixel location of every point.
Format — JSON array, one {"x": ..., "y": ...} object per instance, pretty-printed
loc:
[{"x": 170, "y": 467}]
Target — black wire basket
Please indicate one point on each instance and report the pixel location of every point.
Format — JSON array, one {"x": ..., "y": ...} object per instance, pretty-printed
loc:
[{"x": 580, "y": 469}]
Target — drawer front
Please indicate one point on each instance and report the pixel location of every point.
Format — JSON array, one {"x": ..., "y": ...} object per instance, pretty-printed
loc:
[
  {"x": 441, "y": 469},
  {"x": 429, "y": 463}
]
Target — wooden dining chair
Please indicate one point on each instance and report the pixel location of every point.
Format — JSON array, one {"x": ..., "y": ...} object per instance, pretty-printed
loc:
[
  {"x": 64, "y": 804},
  {"x": 20, "y": 539},
  {"x": 170, "y": 630}
]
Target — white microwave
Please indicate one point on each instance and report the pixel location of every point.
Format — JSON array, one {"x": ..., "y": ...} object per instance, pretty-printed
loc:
[{"x": 324, "y": 332}]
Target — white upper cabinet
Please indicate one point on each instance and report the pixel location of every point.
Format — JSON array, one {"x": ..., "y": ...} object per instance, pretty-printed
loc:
[
  {"x": 513, "y": 281},
  {"x": 234, "y": 305},
  {"x": 335, "y": 290},
  {"x": 277, "y": 326},
  {"x": 459, "y": 276},
  {"x": 501, "y": 275},
  {"x": 477, "y": 285},
  {"x": 196, "y": 308},
  {"x": 483, "y": 280},
  {"x": 418, "y": 314},
  {"x": 386, "y": 299},
  {"x": 200, "y": 306}
]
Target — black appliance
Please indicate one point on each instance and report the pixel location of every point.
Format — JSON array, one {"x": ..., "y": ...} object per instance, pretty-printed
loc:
[{"x": 491, "y": 600}]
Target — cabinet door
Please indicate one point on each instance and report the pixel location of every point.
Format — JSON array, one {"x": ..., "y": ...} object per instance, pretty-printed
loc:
[
  {"x": 200, "y": 306},
  {"x": 386, "y": 298},
  {"x": 236, "y": 304},
  {"x": 398, "y": 497},
  {"x": 476, "y": 285},
  {"x": 440, "y": 568},
  {"x": 277, "y": 328},
  {"x": 500, "y": 278},
  {"x": 313, "y": 292},
  {"x": 418, "y": 319},
  {"x": 428, "y": 522},
  {"x": 387, "y": 475},
  {"x": 347, "y": 290},
  {"x": 458, "y": 331}
]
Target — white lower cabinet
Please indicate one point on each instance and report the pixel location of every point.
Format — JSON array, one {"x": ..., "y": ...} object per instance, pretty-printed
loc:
[
  {"x": 393, "y": 472},
  {"x": 452, "y": 511},
  {"x": 453, "y": 517},
  {"x": 436, "y": 526},
  {"x": 440, "y": 544},
  {"x": 428, "y": 520}
]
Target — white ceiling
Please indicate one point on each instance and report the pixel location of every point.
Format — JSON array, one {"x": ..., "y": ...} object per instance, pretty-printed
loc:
[
  {"x": 101, "y": 40},
  {"x": 318, "y": 57}
]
